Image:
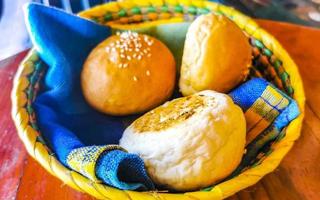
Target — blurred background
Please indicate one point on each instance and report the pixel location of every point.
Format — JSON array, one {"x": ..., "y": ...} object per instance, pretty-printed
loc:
[{"x": 14, "y": 38}]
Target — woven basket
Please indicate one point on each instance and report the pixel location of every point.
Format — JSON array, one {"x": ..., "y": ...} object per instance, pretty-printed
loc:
[{"x": 270, "y": 61}]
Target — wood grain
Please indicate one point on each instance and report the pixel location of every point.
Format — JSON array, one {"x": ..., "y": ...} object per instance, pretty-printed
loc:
[
  {"x": 12, "y": 152},
  {"x": 38, "y": 184},
  {"x": 297, "y": 178}
]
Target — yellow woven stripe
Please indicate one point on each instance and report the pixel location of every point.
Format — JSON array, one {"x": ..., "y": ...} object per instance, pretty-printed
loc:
[{"x": 83, "y": 160}]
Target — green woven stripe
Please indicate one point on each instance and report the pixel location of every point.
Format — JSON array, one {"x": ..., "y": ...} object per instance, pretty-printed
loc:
[
  {"x": 178, "y": 9},
  {"x": 164, "y": 8},
  {"x": 290, "y": 90},
  {"x": 267, "y": 52},
  {"x": 32, "y": 89},
  {"x": 122, "y": 13},
  {"x": 277, "y": 64},
  {"x": 203, "y": 11},
  {"x": 284, "y": 76},
  {"x": 136, "y": 10},
  {"x": 107, "y": 17},
  {"x": 192, "y": 10},
  {"x": 40, "y": 139},
  {"x": 34, "y": 126},
  {"x": 29, "y": 109},
  {"x": 29, "y": 94},
  {"x": 95, "y": 19},
  {"x": 258, "y": 44},
  {"x": 151, "y": 9},
  {"x": 264, "y": 68}
]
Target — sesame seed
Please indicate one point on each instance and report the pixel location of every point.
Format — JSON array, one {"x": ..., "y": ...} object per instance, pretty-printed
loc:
[
  {"x": 162, "y": 119},
  {"x": 122, "y": 56},
  {"x": 108, "y": 49},
  {"x": 128, "y": 57},
  {"x": 120, "y": 65},
  {"x": 135, "y": 78},
  {"x": 125, "y": 65},
  {"x": 139, "y": 57},
  {"x": 149, "y": 55},
  {"x": 148, "y": 73}
]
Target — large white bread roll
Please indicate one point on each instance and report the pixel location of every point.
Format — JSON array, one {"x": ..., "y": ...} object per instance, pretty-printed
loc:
[{"x": 190, "y": 142}]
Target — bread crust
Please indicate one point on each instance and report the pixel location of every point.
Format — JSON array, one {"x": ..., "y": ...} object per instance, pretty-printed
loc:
[
  {"x": 216, "y": 56},
  {"x": 128, "y": 73},
  {"x": 193, "y": 151}
]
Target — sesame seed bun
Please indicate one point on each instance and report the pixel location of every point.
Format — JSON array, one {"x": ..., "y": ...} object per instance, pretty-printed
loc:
[
  {"x": 190, "y": 142},
  {"x": 128, "y": 73},
  {"x": 216, "y": 56}
]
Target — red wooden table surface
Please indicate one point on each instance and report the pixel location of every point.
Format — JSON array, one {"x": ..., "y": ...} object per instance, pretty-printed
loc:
[{"x": 298, "y": 176}]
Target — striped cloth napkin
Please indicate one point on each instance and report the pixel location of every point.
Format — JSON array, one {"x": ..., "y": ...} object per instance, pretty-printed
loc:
[{"x": 267, "y": 111}]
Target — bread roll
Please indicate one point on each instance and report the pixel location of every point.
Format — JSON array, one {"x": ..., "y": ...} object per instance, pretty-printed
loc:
[
  {"x": 216, "y": 55},
  {"x": 190, "y": 142},
  {"x": 128, "y": 73}
]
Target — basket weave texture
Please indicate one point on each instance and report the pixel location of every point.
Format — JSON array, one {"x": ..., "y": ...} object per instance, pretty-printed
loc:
[{"x": 272, "y": 63}]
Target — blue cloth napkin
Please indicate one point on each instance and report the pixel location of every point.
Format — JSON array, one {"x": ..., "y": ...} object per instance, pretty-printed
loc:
[
  {"x": 267, "y": 111},
  {"x": 78, "y": 135}
]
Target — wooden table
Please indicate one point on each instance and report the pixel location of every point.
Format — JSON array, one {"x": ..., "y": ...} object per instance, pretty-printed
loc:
[{"x": 298, "y": 176}]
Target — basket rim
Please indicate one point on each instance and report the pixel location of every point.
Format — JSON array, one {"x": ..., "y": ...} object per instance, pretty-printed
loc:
[{"x": 39, "y": 151}]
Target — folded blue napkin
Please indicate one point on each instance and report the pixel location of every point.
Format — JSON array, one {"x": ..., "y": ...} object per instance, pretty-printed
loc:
[
  {"x": 81, "y": 138},
  {"x": 267, "y": 111}
]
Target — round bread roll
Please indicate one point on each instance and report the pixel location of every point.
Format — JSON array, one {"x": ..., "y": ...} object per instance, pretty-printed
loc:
[
  {"x": 128, "y": 73},
  {"x": 190, "y": 142},
  {"x": 216, "y": 56}
]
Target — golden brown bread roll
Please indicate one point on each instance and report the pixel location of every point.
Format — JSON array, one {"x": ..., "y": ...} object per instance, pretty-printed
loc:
[
  {"x": 216, "y": 55},
  {"x": 128, "y": 73}
]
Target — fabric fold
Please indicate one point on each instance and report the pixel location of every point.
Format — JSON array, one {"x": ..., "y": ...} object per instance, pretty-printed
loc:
[
  {"x": 82, "y": 138},
  {"x": 267, "y": 111}
]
